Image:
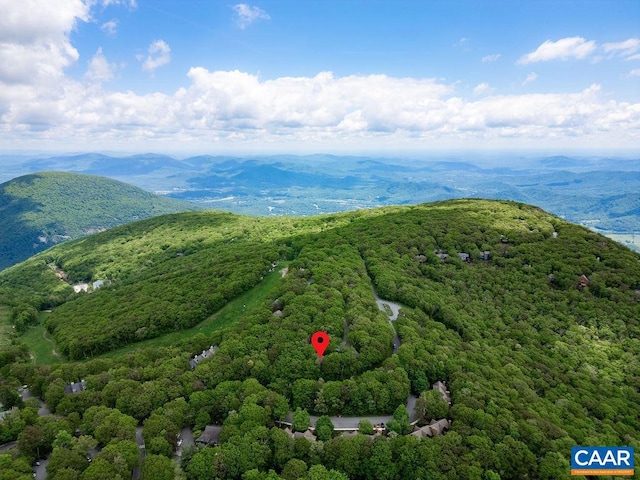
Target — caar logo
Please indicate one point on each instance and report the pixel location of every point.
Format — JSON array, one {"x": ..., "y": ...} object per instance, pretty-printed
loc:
[{"x": 602, "y": 461}]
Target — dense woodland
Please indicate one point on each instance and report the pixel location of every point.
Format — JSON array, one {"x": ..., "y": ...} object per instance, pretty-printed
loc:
[
  {"x": 538, "y": 344},
  {"x": 43, "y": 209}
]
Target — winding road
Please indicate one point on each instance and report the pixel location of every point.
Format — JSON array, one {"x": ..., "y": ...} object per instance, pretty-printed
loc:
[{"x": 395, "y": 310}]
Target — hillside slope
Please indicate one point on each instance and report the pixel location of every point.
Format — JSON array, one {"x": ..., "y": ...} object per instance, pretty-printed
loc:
[
  {"x": 531, "y": 321},
  {"x": 43, "y": 209}
]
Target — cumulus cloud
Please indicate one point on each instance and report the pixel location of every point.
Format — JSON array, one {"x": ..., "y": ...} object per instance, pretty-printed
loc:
[
  {"x": 34, "y": 39},
  {"x": 532, "y": 77},
  {"x": 239, "y": 108},
  {"x": 100, "y": 70},
  {"x": 634, "y": 73},
  {"x": 110, "y": 27},
  {"x": 247, "y": 14},
  {"x": 159, "y": 54},
  {"x": 482, "y": 89},
  {"x": 563, "y": 49},
  {"x": 491, "y": 58}
]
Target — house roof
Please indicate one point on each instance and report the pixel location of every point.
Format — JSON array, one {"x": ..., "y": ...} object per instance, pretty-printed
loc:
[
  {"x": 211, "y": 435},
  {"x": 195, "y": 360},
  {"x": 307, "y": 434},
  {"x": 76, "y": 387},
  {"x": 439, "y": 426},
  {"x": 442, "y": 388}
]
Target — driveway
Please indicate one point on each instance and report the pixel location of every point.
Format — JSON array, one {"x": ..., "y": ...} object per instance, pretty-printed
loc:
[
  {"x": 186, "y": 440},
  {"x": 395, "y": 310},
  {"x": 41, "y": 470},
  {"x": 141, "y": 447}
]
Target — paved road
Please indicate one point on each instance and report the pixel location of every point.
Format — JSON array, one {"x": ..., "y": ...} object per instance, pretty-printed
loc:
[
  {"x": 26, "y": 394},
  {"x": 140, "y": 441},
  {"x": 395, "y": 310},
  {"x": 351, "y": 423},
  {"x": 186, "y": 435},
  {"x": 8, "y": 446},
  {"x": 41, "y": 470}
]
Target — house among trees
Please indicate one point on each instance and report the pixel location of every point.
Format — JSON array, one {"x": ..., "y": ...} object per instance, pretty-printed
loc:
[
  {"x": 193, "y": 363},
  {"x": 441, "y": 255},
  {"x": 435, "y": 428},
  {"x": 307, "y": 434},
  {"x": 442, "y": 388},
  {"x": 76, "y": 387},
  {"x": 210, "y": 437},
  {"x": 486, "y": 256},
  {"x": 584, "y": 282},
  {"x": 465, "y": 257}
]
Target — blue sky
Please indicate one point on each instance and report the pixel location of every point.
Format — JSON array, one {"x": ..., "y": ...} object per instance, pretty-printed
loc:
[{"x": 214, "y": 76}]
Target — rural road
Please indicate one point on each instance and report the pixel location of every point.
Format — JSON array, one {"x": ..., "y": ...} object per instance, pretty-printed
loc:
[{"x": 395, "y": 310}]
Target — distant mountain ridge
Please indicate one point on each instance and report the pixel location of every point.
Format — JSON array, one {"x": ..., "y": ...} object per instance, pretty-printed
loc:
[
  {"x": 42, "y": 209},
  {"x": 581, "y": 189}
]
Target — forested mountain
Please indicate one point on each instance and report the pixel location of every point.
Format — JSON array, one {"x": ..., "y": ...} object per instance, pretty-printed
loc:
[
  {"x": 42, "y": 209},
  {"x": 530, "y": 321}
]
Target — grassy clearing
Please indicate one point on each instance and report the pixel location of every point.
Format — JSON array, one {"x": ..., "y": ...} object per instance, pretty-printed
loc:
[
  {"x": 40, "y": 343},
  {"x": 6, "y": 330},
  {"x": 224, "y": 318}
]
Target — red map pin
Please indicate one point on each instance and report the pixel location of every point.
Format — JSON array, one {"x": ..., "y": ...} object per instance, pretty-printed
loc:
[{"x": 320, "y": 341}]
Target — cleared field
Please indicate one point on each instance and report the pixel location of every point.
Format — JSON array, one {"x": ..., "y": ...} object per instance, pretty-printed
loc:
[
  {"x": 224, "y": 318},
  {"x": 41, "y": 345}
]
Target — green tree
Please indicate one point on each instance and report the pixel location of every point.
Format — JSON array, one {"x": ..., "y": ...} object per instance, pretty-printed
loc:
[
  {"x": 101, "y": 469},
  {"x": 365, "y": 427},
  {"x": 66, "y": 474},
  {"x": 294, "y": 469},
  {"x": 64, "y": 458},
  {"x": 116, "y": 426},
  {"x": 400, "y": 421},
  {"x": 301, "y": 420},
  {"x": 157, "y": 467},
  {"x": 430, "y": 406},
  {"x": 324, "y": 428},
  {"x": 319, "y": 472},
  {"x": 32, "y": 442},
  {"x": 125, "y": 454}
]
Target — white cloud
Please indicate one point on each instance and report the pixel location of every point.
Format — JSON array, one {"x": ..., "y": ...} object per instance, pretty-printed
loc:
[
  {"x": 483, "y": 89},
  {"x": 634, "y": 73},
  {"x": 563, "y": 49},
  {"x": 491, "y": 58},
  {"x": 624, "y": 49},
  {"x": 34, "y": 39},
  {"x": 532, "y": 77},
  {"x": 159, "y": 55},
  {"x": 238, "y": 108},
  {"x": 100, "y": 70},
  {"x": 247, "y": 14},
  {"x": 110, "y": 27},
  {"x": 130, "y": 4}
]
